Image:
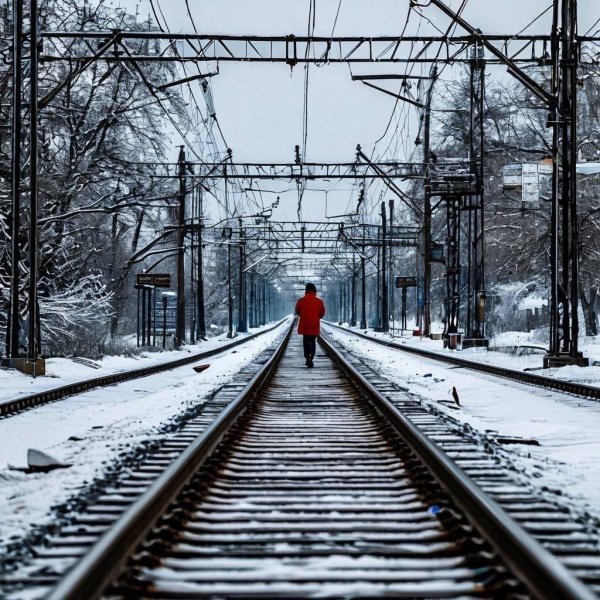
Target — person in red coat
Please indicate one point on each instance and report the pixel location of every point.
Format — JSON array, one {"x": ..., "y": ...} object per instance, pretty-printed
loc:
[{"x": 311, "y": 310}]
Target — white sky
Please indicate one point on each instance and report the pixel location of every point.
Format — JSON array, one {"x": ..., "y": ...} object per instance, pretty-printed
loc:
[{"x": 260, "y": 106}]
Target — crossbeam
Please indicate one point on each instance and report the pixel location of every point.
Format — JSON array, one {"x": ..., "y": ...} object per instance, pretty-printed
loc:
[
  {"x": 292, "y": 49},
  {"x": 303, "y": 171}
]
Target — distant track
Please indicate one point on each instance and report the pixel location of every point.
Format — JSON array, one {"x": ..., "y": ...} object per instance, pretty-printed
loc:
[
  {"x": 16, "y": 405},
  {"x": 576, "y": 389}
]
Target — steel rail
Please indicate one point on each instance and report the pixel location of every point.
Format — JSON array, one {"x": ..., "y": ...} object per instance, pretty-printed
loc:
[
  {"x": 94, "y": 573},
  {"x": 569, "y": 387},
  {"x": 16, "y": 405},
  {"x": 541, "y": 572}
]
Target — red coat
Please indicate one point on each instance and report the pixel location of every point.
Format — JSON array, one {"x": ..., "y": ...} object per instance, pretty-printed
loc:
[{"x": 311, "y": 310}]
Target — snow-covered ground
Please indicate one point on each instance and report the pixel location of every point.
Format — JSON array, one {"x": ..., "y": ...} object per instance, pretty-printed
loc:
[
  {"x": 91, "y": 429},
  {"x": 587, "y": 375},
  {"x": 62, "y": 371},
  {"x": 567, "y": 428}
]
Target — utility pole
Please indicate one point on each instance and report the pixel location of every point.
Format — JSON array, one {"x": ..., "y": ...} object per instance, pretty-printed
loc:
[
  {"x": 242, "y": 324},
  {"x": 228, "y": 234},
  {"x": 180, "y": 322},
  {"x": 32, "y": 347},
  {"x": 353, "y": 283},
  {"x": 473, "y": 204},
  {"x": 555, "y": 342},
  {"x": 427, "y": 207},
  {"x": 229, "y": 288},
  {"x": 200, "y": 274},
  {"x": 564, "y": 227},
  {"x": 570, "y": 226},
  {"x": 385, "y": 317},
  {"x": 363, "y": 284},
  {"x": 252, "y": 303},
  {"x": 17, "y": 85},
  {"x": 259, "y": 301},
  {"x": 391, "y": 265},
  {"x": 377, "y": 309},
  {"x": 264, "y": 300}
]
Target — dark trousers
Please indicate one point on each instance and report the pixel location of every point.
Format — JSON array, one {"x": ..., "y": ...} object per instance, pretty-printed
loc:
[{"x": 310, "y": 345}]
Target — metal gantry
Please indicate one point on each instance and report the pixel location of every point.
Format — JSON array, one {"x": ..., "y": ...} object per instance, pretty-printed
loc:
[
  {"x": 292, "y": 171},
  {"x": 560, "y": 50},
  {"x": 563, "y": 56},
  {"x": 288, "y": 49}
]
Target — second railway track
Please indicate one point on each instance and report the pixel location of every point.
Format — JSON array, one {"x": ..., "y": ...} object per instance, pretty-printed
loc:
[
  {"x": 559, "y": 385},
  {"x": 312, "y": 484},
  {"x": 14, "y": 406}
]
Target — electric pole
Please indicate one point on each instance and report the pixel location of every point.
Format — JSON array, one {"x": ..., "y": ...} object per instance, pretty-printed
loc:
[
  {"x": 427, "y": 206},
  {"x": 353, "y": 310},
  {"x": 391, "y": 265},
  {"x": 200, "y": 274},
  {"x": 564, "y": 228},
  {"x": 180, "y": 322},
  {"x": 229, "y": 287},
  {"x": 32, "y": 310},
  {"x": 385, "y": 317},
  {"x": 363, "y": 284},
  {"x": 242, "y": 325},
  {"x": 17, "y": 85}
]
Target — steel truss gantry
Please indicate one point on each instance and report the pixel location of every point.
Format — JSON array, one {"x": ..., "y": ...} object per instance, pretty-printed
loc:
[
  {"x": 315, "y": 237},
  {"x": 288, "y": 49},
  {"x": 298, "y": 171}
]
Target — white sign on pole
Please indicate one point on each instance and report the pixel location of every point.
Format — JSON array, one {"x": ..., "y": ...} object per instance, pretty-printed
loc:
[
  {"x": 530, "y": 180},
  {"x": 531, "y": 183}
]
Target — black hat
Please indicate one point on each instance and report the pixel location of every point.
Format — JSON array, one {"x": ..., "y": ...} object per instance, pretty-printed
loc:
[{"x": 310, "y": 287}]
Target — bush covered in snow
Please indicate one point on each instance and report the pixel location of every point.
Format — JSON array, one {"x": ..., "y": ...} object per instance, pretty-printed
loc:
[
  {"x": 75, "y": 320},
  {"x": 510, "y": 305}
]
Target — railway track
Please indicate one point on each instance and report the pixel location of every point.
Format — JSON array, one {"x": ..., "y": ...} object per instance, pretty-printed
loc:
[
  {"x": 568, "y": 387},
  {"x": 17, "y": 405},
  {"x": 318, "y": 483}
]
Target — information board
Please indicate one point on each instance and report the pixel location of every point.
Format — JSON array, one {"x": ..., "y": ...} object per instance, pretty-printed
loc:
[
  {"x": 404, "y": 282},
  {"x": 159, "y": 280}
]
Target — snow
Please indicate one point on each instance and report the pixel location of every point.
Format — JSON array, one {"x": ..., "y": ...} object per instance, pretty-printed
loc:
[
  {"x": 62, "y": 371},
  {"x": 507, "y": 359},
  {"x": 90, "y": 430},
  {"x": 588, "y": 168},
  {"x": 532, "y": 303},
  {"x": 566, "y": 427}
]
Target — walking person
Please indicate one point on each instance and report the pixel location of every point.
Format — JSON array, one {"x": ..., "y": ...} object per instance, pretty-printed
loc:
[{"x": 311, "y": 310}]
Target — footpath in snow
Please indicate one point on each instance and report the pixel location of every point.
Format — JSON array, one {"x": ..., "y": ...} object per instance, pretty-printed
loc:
[
  {"x": 567, "y": 428},
  {"x": 90, "y": 430}
]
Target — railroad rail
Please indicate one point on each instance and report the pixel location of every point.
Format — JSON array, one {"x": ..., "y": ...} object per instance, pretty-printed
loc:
[
  {"x": 569, "y": 387},
  {"x": 315, "y": 482},
  {"x": 16, "y": 405}
]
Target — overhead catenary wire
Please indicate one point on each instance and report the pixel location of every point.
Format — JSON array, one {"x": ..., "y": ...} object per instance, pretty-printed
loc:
[
  {"x": 404, "y": 112},
  {"x": 310, "y": 31},
  {"x": 207, "y": 94}
]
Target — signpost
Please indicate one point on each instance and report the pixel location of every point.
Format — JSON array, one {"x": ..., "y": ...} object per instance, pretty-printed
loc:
[
  {"x": 146, "y": 284},
  {"x": 160, "y": 280},
  {"x": 404, "y": 283}
]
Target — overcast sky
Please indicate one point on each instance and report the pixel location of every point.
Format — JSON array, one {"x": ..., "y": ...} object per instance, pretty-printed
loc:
[{"x": 260, "y": 106}]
